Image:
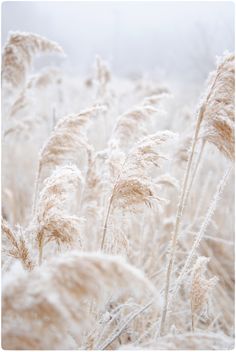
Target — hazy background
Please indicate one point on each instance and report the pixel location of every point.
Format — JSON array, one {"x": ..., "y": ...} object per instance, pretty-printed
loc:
[{"x": 177, "y": 40}]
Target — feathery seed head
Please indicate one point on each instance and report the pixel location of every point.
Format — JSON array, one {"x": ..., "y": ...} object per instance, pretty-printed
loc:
[
  {"x": 68, "y": 137},
  {"x": 201, "y": 286},
  {"x": 18, "y": 54},
  {"x": 218, "y": 110},
  {"x": 56, "y": 293},
  {"x": 132, "y": 191},
  {"x": 51, "y": 220}
]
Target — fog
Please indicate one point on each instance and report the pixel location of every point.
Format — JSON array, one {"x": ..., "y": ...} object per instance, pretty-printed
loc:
[{"x": 172, "y": 39}]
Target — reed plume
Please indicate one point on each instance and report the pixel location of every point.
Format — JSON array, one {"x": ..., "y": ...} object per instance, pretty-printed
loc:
[
  {"x": 131, "y": 125},
  {"x": 113, "y": 185},
  {"x": 14, "y": 245},
  {"x": 222, "y": 81},
  {"x": 200, "y": 288},
  {"x": 68, "y": 136},
  {"x": 65, "y": 142},
  {"x": 18, "y": 54},
  {"x": 56, "y": 293},
  {"x": 51, "y": 221},
  {"x": 133, "y": 186},
  {"x": 218, "y": 124},
  {"x": 102, "y": 76},
  {"x": 203, "y": 228}
]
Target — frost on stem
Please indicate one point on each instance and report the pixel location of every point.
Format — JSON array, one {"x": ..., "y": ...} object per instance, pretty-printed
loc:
[{"x": 225, "y": 142}]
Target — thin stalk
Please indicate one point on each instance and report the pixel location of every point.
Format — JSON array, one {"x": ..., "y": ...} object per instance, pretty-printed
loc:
[
  {"x": 193, "y": 325},
  {"x": 202, "y": 198},
  {"x": 110, "y": 204},
  {"x": 106, "y": 221},
  {"x": 36, "y": 187},
  {"x": 128, "y": 321},
  {"x": 177, "y": 222},
  {"x": 194, "y": 172}
]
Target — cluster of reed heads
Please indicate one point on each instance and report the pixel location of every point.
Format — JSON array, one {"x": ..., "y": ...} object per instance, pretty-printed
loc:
[{"x": 117, "y": 208}]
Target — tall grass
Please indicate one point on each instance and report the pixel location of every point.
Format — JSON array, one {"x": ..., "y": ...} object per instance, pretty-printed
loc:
[{"x": 117, "y": 212}]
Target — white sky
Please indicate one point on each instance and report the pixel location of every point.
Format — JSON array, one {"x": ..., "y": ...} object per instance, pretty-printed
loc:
[{"x": 177, "y": 38}]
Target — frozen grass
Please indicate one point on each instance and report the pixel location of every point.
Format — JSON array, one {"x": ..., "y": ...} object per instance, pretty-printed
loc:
[{"x": 117, "y": 208}]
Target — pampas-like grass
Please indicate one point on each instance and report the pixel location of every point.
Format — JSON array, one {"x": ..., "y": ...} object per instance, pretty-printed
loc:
[
  {"x": 51, "y": 221},
  {"x": 57, "y": 293},
  {"x": 35, "y": 84},
  {"x": 200, "y": 288},
  {"x": 18, "y": 54},
  {"x": 115, "y": 181},
  {"x": 219, "y": 110},
  {"x": 133, "y": 186},
  {"x": 203, "y": 229},
  {"x": 14, "y": 245},
  {"x": 67, "y": 138},
  {"x": 223, "y": 79},
  {"x": 102, "y": 76},
  {"x": 132, "y": 191},
  {"x": 146, "y": 153},
  {"x": 130, "y": 125}
]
